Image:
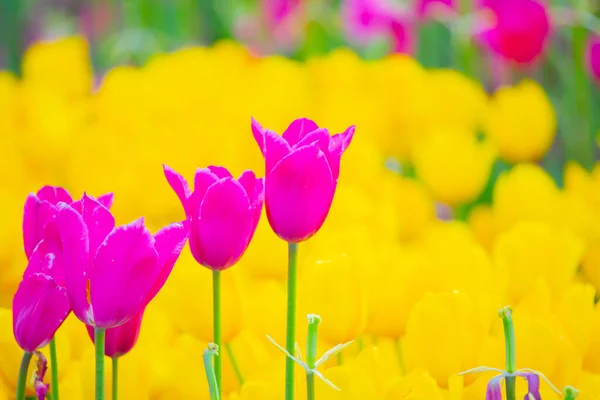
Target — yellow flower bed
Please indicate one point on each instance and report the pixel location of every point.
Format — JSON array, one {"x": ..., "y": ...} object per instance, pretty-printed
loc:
[{"x": 418, "y": 295}]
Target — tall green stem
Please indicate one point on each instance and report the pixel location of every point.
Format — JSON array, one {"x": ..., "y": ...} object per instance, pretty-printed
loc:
[
  {"x": 571, "y": 393},
  {"x": 99, "y": 342},
  {"x": 511, "y": 355},
  {"x": 234, "y": 364},
  {"x": 12, "y": 32},
  {"x": 311, "y": 354},
  {"x": 291, "y": 320},
  {"x": 217, "y": 324},
  {"x": 115, "y": 378},
  {"x": 54, "y": 367},
  {"x": 209, "y": 354},
  {"x": 22, "y": 382}
]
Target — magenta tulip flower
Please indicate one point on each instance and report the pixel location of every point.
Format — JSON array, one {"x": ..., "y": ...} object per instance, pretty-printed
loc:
[
  {"x": 40, "y": 209},
  {"x": 368, "y": 20},
  {"x": 520, "y": 31},
  {"x": 278, "y": 11},
  {"x": 112, "y": 273},
  {"x": 302, "y": 170},
  {"x": 593, "y": 57},
  {"x": 223, "y": 213},
  {"x": 40, "y": 304},
  {"x": 121, "y": 339}
]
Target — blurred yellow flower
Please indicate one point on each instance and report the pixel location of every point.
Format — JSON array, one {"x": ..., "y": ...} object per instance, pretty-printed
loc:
[
  {"x": 521, "y": 122},
  {"x": 454, "y": 165}
]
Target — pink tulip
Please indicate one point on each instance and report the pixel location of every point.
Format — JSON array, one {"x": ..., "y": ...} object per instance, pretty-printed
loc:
[
  {"x": 425, "y": 8},
  {"x": 40, "y": 304},
  {"x": 40, "y": 209},
  {"x": 302, "y": 170},
  {"x": 593, "y": 57},
  {"x": 112, "y": 273},
  {"x": 368, "y": 20},
  {"x": 520, "y": 31},
  {"x": 278, "y": 11},
  {"x": 121, "y": 339},
  {"x": 223, "y": 213}
]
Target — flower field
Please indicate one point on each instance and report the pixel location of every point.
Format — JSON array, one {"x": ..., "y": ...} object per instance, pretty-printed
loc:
[{"x": 443, "y": 214}]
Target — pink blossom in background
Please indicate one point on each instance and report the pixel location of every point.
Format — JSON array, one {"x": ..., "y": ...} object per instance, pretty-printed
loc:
[
  {"x": 121, "y": 339},
  {"x": 368, "y": 20},
  {"x": 593, "y": 57},
  {"x": 302, "y": 170},
  {"x": 278, "y": 11},
  {"x": 519, "y": 31},
  {"x": 112, "y": 273},
  {"x": 223, "y": 213},
  {"x": 426, "y": 8}
]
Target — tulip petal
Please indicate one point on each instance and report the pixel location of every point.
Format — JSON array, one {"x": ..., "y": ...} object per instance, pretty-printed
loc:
[
  {"x": 272, "y": 146},
  {"x": 320, "y": 135},
  {"x": 54, "y": 195},
  {"x": 298, "y": 129},
  {"x": 98, "y": 220},
  {"x": 120, "y": 340},
  {"x": 221, "y": 231},
  {"x": 169, "y": 241},
  {"x": 533, "y": 385},
  {"x": 180, "y": 187},
  {"x": 203, "y": 179},
  {"x": 36, "y": 214},
  {"x": 256, "y": 193},
  {"x": 47, "y": 259},
  {"x": 123, "y": 274},
  {"x": 106, "y": 200},
  {"x": 298, "y": 193},
  {"x": 220, "y": 172},
  {"x": 40, "y": 306},
  {"x": 337, "y": 146},
  {"x": 75, "y": 254},
  {"x": 494, "y": 389}
]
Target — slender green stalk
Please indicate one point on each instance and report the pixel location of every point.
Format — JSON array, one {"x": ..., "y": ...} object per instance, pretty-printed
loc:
[
  {"x": 115, "y": 378},
  {"x": 54, "y": 367},
  {"x": 311, "y": 354},
  {"x": 22, "y": 382},
  {"x": 217, "y": 324},
  {"x": 571, "y": 393},
  {"x": 213, "y": 386},
  {"x": 400, "y": 358},
  {"x": 12, "y": 32},
  {"x": 509, "y": 338},
  {"x": 99, "y": 342},
  {"x": 310, "y": 386},
  {"x": 236, "y": 368},
  {"x": 291, "y": 320}
]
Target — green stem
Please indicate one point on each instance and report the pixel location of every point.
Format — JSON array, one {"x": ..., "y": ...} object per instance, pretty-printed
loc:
[
  {"x": 99, "y": 342},
  {"x": 236, "y": 368},
  {"x": 400, "y": 357},
  {"x": 310, "y": 386},
  {"x": 12, "y": 32},
  {"x": 509, "y": 338},
  {"x": 311, "y": 354},
  {"x": 217, "y": 324},
  {"x": 54, "y": 367},
  {"x": 291, "y": 320},
  {"x": 213, "y": 386},
  {"x": 115, "y": 378},
  {"x": 571, "y": 393},
  {"x": 22, "y": 382}
]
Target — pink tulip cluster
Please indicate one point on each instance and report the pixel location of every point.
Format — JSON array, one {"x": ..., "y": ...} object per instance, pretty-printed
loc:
[{"x": 80, "y": 261}]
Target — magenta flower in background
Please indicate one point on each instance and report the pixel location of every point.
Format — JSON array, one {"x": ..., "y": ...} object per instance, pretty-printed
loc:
[
  {"x": 278, "y": 11},
  {"x": 121, "y": 339},
  {"x": 40, "y": 208},
  {"x": 494, "y": 387},
  {"x": 369, "y": 20},
  {"x": 112, "y": 273},
  {"x": 426, "y": 8},
  {"x": 40, "y": 304},
  {"x": 223, "y": 213},
  {"x": 593, "y": 57},
  {"x": 520, "y": 29},
  {"x": 302, "y": 170}
]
